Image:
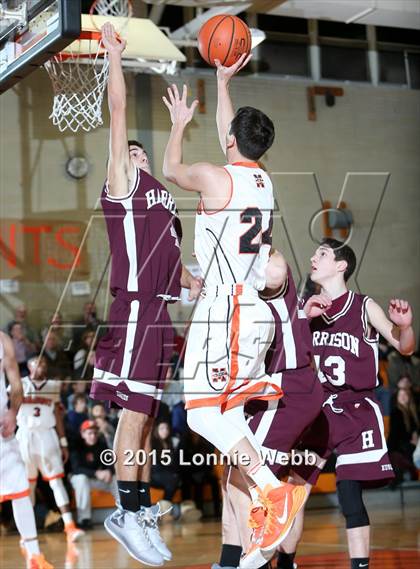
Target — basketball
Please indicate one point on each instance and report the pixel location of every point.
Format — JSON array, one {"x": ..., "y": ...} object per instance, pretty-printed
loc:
[{"x": 224, "y": 38}]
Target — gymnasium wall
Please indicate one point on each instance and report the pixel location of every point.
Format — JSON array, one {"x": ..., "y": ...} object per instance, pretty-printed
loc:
[{"x": 369, "y": 134}]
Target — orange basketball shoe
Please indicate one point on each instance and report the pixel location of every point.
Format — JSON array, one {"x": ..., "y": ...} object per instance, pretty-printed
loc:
[
  {"x": 73, "y": 532},
  {"x": 254, "y": 556},
  {"x": 271, "y": 519},
  {"x": 38, "y": 562}
]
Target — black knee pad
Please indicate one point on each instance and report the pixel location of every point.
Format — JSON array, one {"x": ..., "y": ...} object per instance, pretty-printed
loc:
[{"x": 350, "y": 498}]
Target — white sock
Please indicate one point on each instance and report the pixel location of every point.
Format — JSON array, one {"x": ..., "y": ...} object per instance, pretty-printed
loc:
[
  {"x": 67, "y": 518},
  {"x": 32, "y": 547},
  {"x": 262, "y": 476},
  {"x": 23, "y": 513}
]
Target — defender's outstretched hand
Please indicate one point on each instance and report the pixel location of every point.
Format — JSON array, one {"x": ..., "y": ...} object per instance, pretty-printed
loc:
[
  {"x": 317, "y": 304},
  {"x": 226, "y": 73},
  {"x": 110, "y": 40},
  {"x": 400, "y": 313},
  {"x": 181, "y": 113}
]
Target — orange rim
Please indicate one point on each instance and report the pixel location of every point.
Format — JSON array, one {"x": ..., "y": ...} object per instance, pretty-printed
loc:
[{"x": 89, "y": 35}]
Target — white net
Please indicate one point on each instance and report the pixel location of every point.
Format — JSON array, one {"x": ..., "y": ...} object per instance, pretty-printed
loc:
[
  {"x": 122, "y": 8},
  {"x": 79, "y": 83}
]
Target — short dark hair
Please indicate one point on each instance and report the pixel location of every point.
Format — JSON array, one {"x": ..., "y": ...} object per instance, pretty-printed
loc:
[
  {"x": 342, "y": 252},
  {"x": 135, "y": 143},
  {"x": 254, "y": 132},
  {"x": 79, "y": 397}
]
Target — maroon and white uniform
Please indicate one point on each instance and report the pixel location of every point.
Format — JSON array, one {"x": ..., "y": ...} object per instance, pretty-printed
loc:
[
  {"x": 144, "y": 234},
  {"x": 279, "y": 424},
  {"x": 351, "y": 423}
]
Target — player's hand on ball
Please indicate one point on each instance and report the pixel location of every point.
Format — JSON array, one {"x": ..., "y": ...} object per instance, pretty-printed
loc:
[
  {"x": 400, "y": 313},
  {"x": 196, "y": 286},
  {"x": 181, "y": 113},
  {"x": 225, "y": 74},
  {"x": 110, "y": 40},
  {"x": 317, "y": 304},
  {"x": 8, "y": 424}
]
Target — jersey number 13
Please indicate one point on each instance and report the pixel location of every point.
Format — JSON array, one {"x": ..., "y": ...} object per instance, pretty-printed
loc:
[{"x": 337, "y": 365}]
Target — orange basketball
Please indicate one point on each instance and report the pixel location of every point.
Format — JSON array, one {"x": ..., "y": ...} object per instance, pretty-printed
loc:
[{"x": 225, "y": 38}]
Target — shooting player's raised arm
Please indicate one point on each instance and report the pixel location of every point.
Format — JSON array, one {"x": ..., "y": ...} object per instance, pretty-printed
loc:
[{"x": 225, "y": 111}]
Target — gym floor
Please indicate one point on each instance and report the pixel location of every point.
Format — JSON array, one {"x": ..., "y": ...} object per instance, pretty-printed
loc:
[{"x": 395, "y": 544}]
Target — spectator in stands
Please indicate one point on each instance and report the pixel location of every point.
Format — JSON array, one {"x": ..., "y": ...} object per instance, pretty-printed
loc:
[
  {"x": 166, "y": 473},
  {"x": 195, "y": 477},
  {"x": 57, "y": 359},
  {"x": 62, "y": 331},
  {"x": 88, "y": 471},
  {"x": 404, "y": 382},
  {"x": 21, "y": 314},
  {"x": 84, "y": 358},
  {"x": 88, "y": 321},
  {"x": 105, "y": 428},
  {"x": 24, "y": 348},
  {"x": 399, "y": 365},
  {"x": 78, "y": 415},
  {"x": 403, "y": 434},
  {"x": 81, "y": 386}
]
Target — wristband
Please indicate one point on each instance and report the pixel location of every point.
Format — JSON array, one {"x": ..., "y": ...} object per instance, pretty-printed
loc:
[{"x": 63, "y": 442}]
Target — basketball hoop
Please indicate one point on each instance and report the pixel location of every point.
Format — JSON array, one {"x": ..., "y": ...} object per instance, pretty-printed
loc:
[
  {"x": 79, "y": 76},
  {"x": 122, "y": 8}
]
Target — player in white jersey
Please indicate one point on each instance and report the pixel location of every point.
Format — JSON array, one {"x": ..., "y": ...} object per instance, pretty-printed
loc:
[
  {"x": 42, "y": 440},
  {"x": 232, "y": 327},
  {"x": 13, "y": 482}
]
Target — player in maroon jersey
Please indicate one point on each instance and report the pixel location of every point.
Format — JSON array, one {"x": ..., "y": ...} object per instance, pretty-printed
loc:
[
  {"x": 132, "y": 358},
  {"x": 345, "y": 327}
]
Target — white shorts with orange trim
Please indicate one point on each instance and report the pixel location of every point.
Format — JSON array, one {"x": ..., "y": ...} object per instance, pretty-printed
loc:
[
  {"x": 230, "y": 333},
  {"x": 41, "y": 452},
  {"x": 13, "y": 480}
]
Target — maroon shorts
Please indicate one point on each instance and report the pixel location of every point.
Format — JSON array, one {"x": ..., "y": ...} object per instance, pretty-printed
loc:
[
  {"x": 132, "y": 359},
  {"x": 278, "y": 425},
  {"x": 351, "y": 425}
]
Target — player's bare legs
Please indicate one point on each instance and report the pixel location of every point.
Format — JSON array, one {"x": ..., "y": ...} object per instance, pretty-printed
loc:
[
  {"x": 128, "y": 438},
  {"x": 145, "y": 471},
  {"x": 233, "y": 541},
  {"x": 358, "y": 540}
]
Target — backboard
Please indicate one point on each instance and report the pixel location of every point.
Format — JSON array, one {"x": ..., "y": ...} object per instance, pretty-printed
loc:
[
  {"x": 31, "y": 32},
  {"x": 145, "y": 41}
]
